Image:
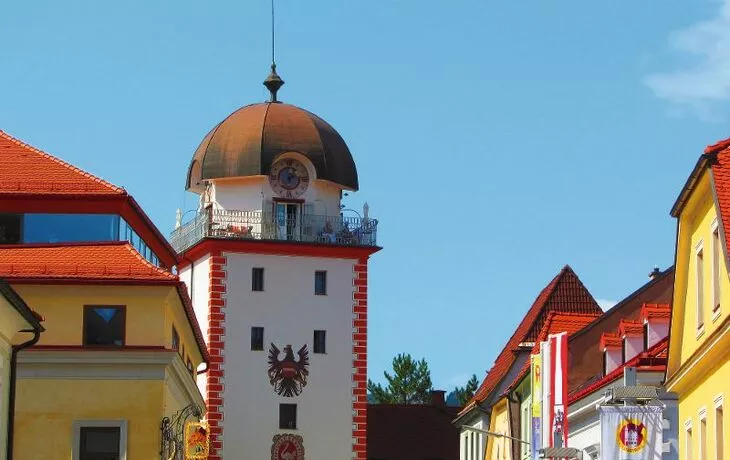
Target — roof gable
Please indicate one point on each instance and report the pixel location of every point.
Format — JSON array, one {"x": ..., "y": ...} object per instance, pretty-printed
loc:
[
  {"x": 27, "y": 170},
  {"x": 566, "y": 294}
]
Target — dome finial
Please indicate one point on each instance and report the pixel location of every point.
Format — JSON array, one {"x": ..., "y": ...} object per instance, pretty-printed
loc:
[{"x": 273, "y": 82}]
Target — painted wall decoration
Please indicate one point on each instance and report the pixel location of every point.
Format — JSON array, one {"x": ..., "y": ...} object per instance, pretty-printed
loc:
[
  {"x": 287, "y": 447},
  {"x": 289, "y": 375},
  {"x": 197, "y": 441}
]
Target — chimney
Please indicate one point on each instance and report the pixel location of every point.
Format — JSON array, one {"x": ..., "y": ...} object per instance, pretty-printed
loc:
[
  {"x": 654, "y": 273},
  {"x": 437, "y": 398}
]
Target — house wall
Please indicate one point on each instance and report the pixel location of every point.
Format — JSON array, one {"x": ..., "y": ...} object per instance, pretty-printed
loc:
[
  {"x": 472, "y": 443},
  {"x": 151, "y": 312},
  {"x": 634, "y": 346},
  {"x": 499, "y": 448},
  {"x": 289, "y": 312},
  {"x": 658, "y": 329}
]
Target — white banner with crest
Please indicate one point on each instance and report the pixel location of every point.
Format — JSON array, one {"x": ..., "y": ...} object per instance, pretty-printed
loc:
[{"x": 631, "y": 433}]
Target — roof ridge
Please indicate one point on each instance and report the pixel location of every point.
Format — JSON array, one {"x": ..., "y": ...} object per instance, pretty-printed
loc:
[
  {"x": 64, "y": 244},
  {"x": 88, "y": 175}
]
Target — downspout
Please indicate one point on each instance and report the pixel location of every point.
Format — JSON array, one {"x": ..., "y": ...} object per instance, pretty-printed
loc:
[{"x": 13, "y": 376}]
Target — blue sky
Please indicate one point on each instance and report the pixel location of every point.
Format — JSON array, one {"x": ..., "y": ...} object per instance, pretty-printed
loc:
[{"x": 496, "y": 141}]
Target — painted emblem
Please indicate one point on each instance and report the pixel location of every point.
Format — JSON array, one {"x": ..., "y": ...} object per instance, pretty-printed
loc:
[
  {"x": 289, "y": 375},
  {"x": 287, "y": 447},
  {"x": 631, "y": 436},
  {"x": 197, "y": 442}
]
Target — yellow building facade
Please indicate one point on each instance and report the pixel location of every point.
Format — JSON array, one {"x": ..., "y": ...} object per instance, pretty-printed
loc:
[
  {"x": 19, "y": 328},
  {"x": 114, "y": 361},
  {"x": 698, "y": 368}
]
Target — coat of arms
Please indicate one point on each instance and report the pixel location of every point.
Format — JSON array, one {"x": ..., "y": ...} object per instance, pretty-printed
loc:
[
  {"x": 289, "y": 375},
  {"x": 287, "y": 447}
]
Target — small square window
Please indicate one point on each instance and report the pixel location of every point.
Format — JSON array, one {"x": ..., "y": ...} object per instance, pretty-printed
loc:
[
  {"x": 257, "y": 279},
  {"x": 320, "y": 283},
  {"x": 104, "y": 326},
  {"x": 320, "y": 341},
  {"x": 287, "y": 416},
  {"x": 99, "y": 443},
  {"x": 175, "y": 340},
  {"x": 257, "y": 338}
]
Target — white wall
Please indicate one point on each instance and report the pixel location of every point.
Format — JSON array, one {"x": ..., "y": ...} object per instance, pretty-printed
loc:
[
  {"x": 613, "y": 359},
  {"x": 289, "y": 311},
  {"x": 634, "y": 346},
  {"x": 658, "y": 330},
  {"x": 472, "y": 443},
  {"x": 196, "y": 278}
]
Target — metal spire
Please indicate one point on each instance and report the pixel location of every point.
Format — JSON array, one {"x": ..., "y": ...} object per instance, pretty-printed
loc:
[{"x": 273, "y": 82}]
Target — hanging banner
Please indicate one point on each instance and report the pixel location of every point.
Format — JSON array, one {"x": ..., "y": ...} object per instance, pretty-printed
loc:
[
  {"x": 536, "y": 390},
  {"x": 559, "y": 383},
  {"x": 197, "y": 442},
  {"x": 631, "y": 433}
]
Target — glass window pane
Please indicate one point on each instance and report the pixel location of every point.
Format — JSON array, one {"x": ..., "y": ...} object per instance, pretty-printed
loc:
[
  {"x": 10, "y": 228},
  {"x": 57, "y": 228},
  {"x": 104, "y": 326},
  {"x": 99, "y": 443}
]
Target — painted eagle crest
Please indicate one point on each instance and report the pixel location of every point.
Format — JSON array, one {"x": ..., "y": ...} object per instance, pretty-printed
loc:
[{"x": 288, "y": 376}]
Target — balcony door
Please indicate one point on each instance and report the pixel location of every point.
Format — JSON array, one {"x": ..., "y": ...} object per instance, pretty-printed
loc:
[{"x": 288, "y": 220}]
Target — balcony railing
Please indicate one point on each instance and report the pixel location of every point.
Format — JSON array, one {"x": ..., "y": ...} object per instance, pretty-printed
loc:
[{"x": 259, "y": 225}]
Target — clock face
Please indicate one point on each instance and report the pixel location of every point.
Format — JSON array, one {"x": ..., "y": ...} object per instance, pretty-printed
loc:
[{"x": 289, "y": 178}]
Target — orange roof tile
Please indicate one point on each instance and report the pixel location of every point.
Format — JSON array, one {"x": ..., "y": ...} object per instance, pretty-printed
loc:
[
  {"x": 630, "y": 328},
  {"x": 556, "y": 323},
  {"x": 721, "y": 174},
  {"x": 610, "y": 340},
  {"x": 109, "y": 261},
  {"x": 27, "y": 170},
  {"x": 565, "y": 293},
  {"x": 655, "y": 311}
]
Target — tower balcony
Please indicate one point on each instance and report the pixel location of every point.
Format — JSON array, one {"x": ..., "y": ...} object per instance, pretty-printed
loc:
[{"x": 260, "y": 225}]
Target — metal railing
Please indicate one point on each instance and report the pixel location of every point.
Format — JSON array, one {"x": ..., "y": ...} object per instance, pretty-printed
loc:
[{"x": 260, "y": 225}]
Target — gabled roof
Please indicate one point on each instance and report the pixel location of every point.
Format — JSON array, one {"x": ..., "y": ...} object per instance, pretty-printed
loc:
[
  {"x": 34, "y": 181},
  {"x": 610, "y": 340},
  {"x": 565, "y": 293},
  {"x": 25, "y": 169},
  {"x": 628, "y": 327},
  {"x": 112, "y": 262},
  {"x": 720, "y": 165},
  {"x": 555, "y": 323}
]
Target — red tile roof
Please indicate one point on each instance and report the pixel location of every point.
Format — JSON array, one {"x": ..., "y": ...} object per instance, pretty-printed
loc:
[
  {"x": 555, "y": 323},
  {"x": 115, "y": 261},
  {"x": 721, "y": 175},
  {"x": 655, "y": 311},
  {"x": 627, "y": 327},
  {"x": 565, "y": 293},
  {"x": 25, "y": 169},
  {"x": 610, "y": 340},
  {"x": 651, "y": 360}
]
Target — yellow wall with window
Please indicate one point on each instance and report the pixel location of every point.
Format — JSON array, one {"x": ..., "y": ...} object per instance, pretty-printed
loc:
[
  {"x": 699, "y": 368},
  {"x": 65, "y": 383}
]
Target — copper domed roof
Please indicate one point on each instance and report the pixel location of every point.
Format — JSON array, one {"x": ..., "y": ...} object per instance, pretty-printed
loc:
[{"x": 249, "y": 140}]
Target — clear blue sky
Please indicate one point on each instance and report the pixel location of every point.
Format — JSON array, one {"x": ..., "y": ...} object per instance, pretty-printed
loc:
[{"x": 496, "y": 141}]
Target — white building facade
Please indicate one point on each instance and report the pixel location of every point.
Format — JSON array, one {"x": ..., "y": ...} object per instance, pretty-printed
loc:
[{"x": 277, "y": 273}]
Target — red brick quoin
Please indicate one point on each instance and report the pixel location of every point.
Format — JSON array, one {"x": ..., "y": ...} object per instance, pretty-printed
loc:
[
  {"x": 216, "y": 346},
  {"x": 360, "y": 360}
]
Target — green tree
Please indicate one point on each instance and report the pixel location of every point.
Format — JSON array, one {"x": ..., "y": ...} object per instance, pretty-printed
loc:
[
  {"x": 409, "y": 384},
  {"x": 465, "y": 393}
]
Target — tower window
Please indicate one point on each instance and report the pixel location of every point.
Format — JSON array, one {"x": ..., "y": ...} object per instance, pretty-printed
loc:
[
  {"x": 104, "y": 326},
  {"x": 257, "y": 279},
  {"x": 320, "y": 283},
  {"x": 320, "y": 341},
  {"x": 287, "y": 416},
  {"x": 257, "y": 338}
]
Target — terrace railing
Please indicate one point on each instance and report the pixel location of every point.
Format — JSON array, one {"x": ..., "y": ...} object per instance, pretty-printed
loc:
[{"x": 260, "y": 225}]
